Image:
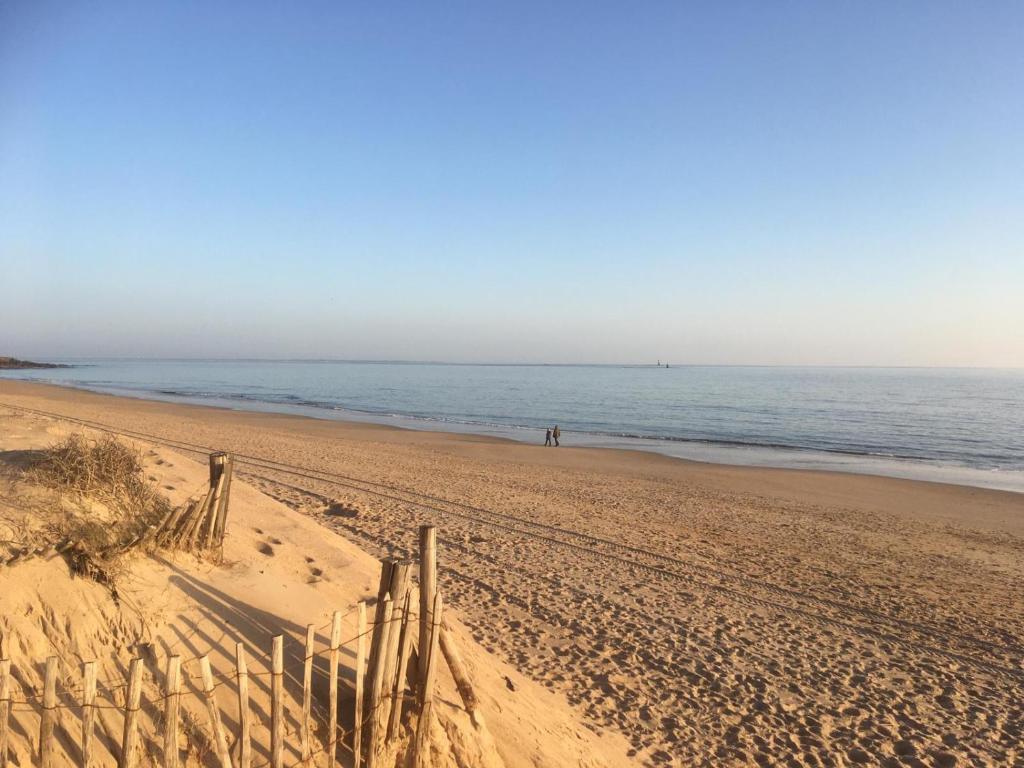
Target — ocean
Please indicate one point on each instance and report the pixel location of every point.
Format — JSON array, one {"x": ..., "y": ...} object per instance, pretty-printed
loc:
[{"x": 962, "y": 426}]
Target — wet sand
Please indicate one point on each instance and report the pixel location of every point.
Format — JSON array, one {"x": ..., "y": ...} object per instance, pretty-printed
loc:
[{"x": 714, "y": 615}]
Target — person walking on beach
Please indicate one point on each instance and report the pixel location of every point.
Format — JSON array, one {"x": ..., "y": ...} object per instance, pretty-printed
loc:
[
  {"x": 547, "y": 438},
  {"x": 556, "y": 433}
]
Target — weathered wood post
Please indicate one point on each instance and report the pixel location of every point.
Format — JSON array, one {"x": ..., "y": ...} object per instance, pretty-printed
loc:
[
  {"x": 387, "y": 567},
  {"x": 49, "y": 714},
  {"x": 377, "y": 683},
  {"x": 405, "y": 648},
  {"x": 428, "y": 589},
  {"x": 220, "y": 739},
  {"x": 190, "y": 537},
  {"x": 277, "y": 702},
  {"x": 244, "y": 724},
  {"x": 218, "y": 463},
  {"x": 421, "y": 745},
  {"x": 172, "y": 704},
  {"x": 357, "y": 734},
  {"x": 307, "y": 692},
  {"x": 222, "y": 512},
  {"x": 5, "y": 709},
  {"x": 130, "y": 736},
  {"x": 399, "y": 589},
  {"x": 450, "y": 651},
  {"x": 332, "y": 690},
  {"x": 88, "y": 710}
]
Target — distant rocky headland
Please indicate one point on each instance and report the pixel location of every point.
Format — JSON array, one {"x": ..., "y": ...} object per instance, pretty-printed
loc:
[{"x": 13, "y": 362}]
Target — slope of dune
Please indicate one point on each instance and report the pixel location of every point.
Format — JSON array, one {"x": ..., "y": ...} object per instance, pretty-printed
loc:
[{"x": 280, "y": 572}]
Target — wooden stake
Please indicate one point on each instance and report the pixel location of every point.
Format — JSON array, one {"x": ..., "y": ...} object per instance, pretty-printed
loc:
[
  {"x": 377, "y": 664},
  {"x": 211, "y": 528},
  {"x": 222, "y": 513},
  {"x": 421, "y": 746},
  {"x": 5, "y": 709},
  {"x": 130, "y": 736},
  {"x": 190, "y": 536},
  {"x": 245, "y": 728},
  {"x": 49, "y": 714},
  {"x": 387, "y": 566},
  {"x": 405, "y": 646},
  {"x": 307, "y": 691},
  {"x": 277, "y": 703},
  {"x": 332, "y": 690},
  {"x": 172, "y": 702},
  {"x": 428, "y": 589},
  {"x": 166, "y": 532},
  {"x": 88, "y": 710},
  {"x": 220, "y": 739},
  {"x": 357, "y": 736},
  {"x": 459, "y": 673},
  {"x": 165, "y": 521},
  {"x": 399, "y": 588}
]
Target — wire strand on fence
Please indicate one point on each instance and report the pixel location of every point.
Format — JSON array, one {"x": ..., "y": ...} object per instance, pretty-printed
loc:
[{"x": 226, "y": 677}]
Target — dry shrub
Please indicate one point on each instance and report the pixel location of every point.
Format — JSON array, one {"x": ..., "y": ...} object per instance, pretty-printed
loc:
[
  {"x": 105, "y": 469},
  {"x": 104, "y": 472}
]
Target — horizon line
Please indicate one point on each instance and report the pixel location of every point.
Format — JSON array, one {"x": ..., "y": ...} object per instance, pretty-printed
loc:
[{"x": 520, "y": 364}]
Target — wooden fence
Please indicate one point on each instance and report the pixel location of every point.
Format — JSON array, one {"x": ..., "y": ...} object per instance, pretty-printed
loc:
[{"x": 397, "y": 654}]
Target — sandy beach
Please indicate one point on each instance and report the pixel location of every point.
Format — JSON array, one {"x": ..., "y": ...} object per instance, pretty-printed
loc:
[{"x": 711, "y": 615}]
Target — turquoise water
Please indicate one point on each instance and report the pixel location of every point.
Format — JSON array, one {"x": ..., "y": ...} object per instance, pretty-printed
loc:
[{"x": 958, "y": 425}]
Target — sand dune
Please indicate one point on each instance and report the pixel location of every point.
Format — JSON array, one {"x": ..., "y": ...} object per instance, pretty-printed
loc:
[
  {"x": 712, "y": 615},
  {"x": 280, "y": 572}
]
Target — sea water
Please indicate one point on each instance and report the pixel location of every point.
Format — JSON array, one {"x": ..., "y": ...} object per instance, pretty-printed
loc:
[{"x": 954, "y": 425}]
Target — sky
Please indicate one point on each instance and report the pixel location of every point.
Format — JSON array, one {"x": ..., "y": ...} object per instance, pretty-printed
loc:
[{"x": 835, "y": 183}]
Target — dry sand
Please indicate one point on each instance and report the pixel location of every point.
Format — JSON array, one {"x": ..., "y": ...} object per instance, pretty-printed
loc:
[
  {"x": 280, "y": 571},
  {"x": 713, "y": 615}
]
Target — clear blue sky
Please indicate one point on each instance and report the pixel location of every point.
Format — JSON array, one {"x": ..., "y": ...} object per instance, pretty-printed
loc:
[{"x": 820, "y": 182}]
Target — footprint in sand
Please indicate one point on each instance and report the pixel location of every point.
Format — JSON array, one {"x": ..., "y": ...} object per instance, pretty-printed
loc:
[
  {"x": 265, "y": 549},
  {"x": 340, "y": 509}
]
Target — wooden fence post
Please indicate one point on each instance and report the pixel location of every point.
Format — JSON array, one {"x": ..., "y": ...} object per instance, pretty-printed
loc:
[
  {"x": 332, "y": 690},
  {"x": 220, "y": 739},
  {"x": 168, "y": 528},
  {"x": 179, "y": 535},
  {"x": 277, "y": 703},
  {"x": 222, "y": 513},
  {"x": 88, "y": 710},
  {"x": 405, "y": 647},
  {"x": 387, "y": 567},
  {"x": 421, "y": 746},
  {"x": 458, "y": 669},
  {"x": 399, "y": 588},
  {"x": 428, "y": 588},
  {"x": 307, "y": 691},
  {"x": 5, "y": 709},
  {"x": 130, "y": 736},
  {"x": 49, "y": 714},
  {"x": 398, "y": 692},
  {"x": 172, "y": 701},
  {"x": 190, "y": 537},
  {"x": 214, "y": 513},
  {"x": 244, "y": 726},
  {"x": 377, "y": 663},
  {"x": 357, "y": 735}
]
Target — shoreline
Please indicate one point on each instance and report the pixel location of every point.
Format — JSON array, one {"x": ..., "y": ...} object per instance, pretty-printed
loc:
[
  {"x": 927, "y": 499},
  {"x": 739, "y": 455}
]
